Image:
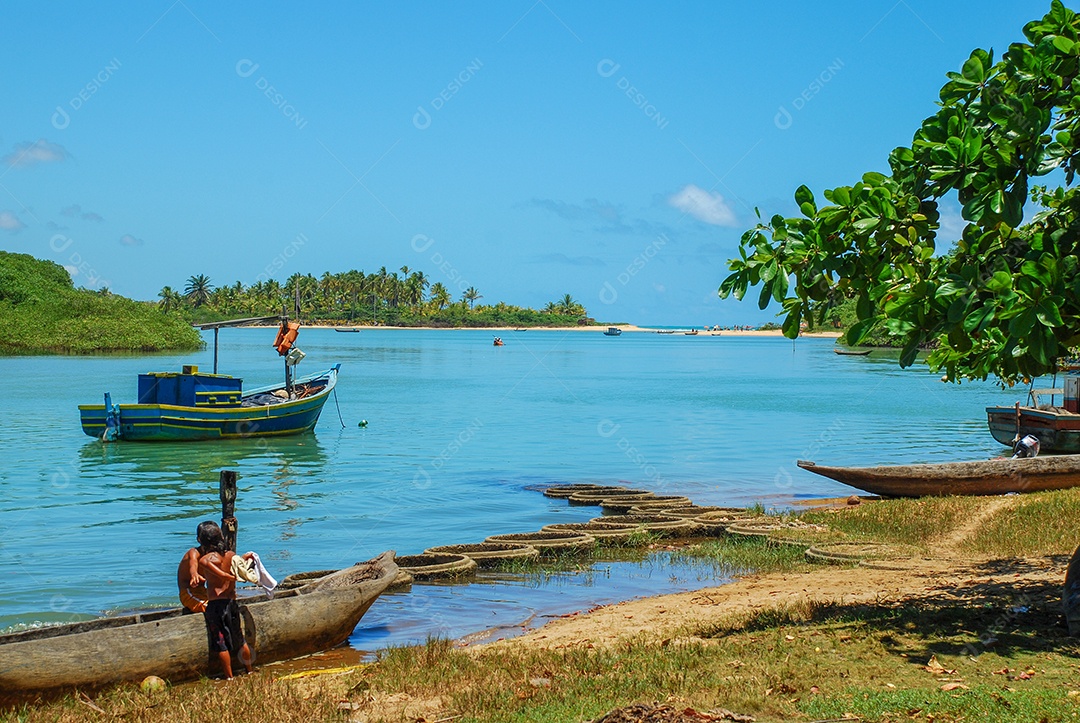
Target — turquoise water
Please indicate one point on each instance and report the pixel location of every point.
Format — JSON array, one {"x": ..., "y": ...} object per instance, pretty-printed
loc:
[{"x": 460, "y": 434}]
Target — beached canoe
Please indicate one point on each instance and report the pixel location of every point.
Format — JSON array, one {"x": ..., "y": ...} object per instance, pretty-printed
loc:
[
  {"x": 989, "y": 477},
  {"x": 171, "y": 645}
]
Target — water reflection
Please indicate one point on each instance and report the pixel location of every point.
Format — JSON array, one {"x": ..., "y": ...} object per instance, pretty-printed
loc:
[{"x": 183, "y": 477}]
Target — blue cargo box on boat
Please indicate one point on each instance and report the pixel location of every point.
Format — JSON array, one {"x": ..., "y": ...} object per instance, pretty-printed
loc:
[{"x": 190, "y": 389}]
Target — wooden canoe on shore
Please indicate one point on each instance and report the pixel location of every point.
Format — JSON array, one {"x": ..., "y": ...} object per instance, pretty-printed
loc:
[
  {"x": 171, "y": 645},
  {"x": 989, "y": 477}
]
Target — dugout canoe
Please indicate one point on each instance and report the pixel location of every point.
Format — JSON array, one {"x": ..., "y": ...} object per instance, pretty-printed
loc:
[
  {"x": 987, "y": 477},
  {"x": 170, "y": 645}
]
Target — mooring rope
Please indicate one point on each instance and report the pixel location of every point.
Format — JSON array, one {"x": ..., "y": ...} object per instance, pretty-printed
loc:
[{"x": 338, "y": 409}]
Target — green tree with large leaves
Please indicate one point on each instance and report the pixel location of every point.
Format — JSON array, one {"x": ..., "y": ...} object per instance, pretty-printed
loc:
[{"x": 1005, "y": 300}]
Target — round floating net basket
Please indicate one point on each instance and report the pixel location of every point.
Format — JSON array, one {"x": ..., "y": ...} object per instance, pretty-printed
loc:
[
  {"x": 548, "y": 542},
  {"x": 488, "y": 554},
  {"x": 426, "y": 566},
  {"x": 564, "y": 491},
  {"x": 595, "y": 497}
]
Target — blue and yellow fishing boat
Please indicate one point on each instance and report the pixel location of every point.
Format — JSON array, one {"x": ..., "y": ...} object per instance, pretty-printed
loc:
[{"x": 189, "y": 405}]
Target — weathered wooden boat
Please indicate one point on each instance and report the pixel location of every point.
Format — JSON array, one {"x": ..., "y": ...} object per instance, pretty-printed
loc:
[
  {"x": 988, "y": 477},
  {"x": 192, "y": 406},
  {"x": 852, "y": 352},
  {"x": 171, "y": 645},
  {"x": 1056, "y": 427}
]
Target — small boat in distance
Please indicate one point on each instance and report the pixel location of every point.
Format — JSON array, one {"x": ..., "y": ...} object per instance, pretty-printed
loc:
[
  {"x": 989, "y": 477},
  {"x": 498, "y": 341},
  {"x": 692, "y": 332},
  {"x": 94, "y": 653},
  {"x": 613, "y": 331},
  {"x": 192, "y": 405},
  {"x": 347, "y": 329},
  {"x": 852, "y": 352}
]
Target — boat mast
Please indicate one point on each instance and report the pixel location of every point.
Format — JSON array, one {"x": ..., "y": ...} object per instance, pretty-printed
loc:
[{"x": 215, "y": 325}]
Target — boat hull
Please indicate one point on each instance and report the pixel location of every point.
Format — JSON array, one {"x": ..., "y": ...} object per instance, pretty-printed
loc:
[
  {"x": 173, "y": 646},
  {"x": 171, "y": 423},
  {"x": 1057, "y": 431},
  {"x": 990, "y": 477}
]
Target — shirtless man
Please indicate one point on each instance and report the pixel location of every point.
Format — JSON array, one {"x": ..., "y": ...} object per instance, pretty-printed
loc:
[
  {"x": 191, "y": 584},
  {"x": 222, "y": 615}
]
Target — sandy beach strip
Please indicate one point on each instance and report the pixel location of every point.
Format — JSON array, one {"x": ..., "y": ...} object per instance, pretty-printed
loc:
[{"x": 628, "y": 328}]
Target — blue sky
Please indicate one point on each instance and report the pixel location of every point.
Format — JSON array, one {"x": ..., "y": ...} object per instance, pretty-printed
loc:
[{"x": 611, "y": 151}]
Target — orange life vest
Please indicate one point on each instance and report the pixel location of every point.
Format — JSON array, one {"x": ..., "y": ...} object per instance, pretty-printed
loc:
[{"x": 286, "y": 336}]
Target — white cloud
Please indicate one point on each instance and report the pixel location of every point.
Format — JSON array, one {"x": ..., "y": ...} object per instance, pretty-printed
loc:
[
  {"x": 28, "y": 154},
  {"x": 10, "y": 222},
  {"x": 129, "y": 240},
  {"x": 76, "y": 211},
  {"x": 704, "y": 206},
  {"x": 951, "y": 224}
]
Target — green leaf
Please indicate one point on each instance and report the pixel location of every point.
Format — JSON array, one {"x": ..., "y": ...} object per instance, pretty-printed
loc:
[
  {"x": 910, "y": 351},
  {"x": 1000, "y": 281},
  {"x": 977, "y": 320},
  {"x": 1048, "y": 313},
  {"x": 1064, "y": 44},
  {"x": 841, "y": 196},
  {"x": 804, "y": 195},
  {"x": 973, "y": 70},
  {"x": 867, "y": 224},
  {"x": 764, "y": 295},
  {"x": 858, "y": 332},
  {"x": 792, "y": 322},
  {"x": 780, "y": 286}
]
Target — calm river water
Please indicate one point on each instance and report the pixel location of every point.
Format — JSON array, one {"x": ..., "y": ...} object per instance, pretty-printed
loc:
[{"x": 459, "y": 435}]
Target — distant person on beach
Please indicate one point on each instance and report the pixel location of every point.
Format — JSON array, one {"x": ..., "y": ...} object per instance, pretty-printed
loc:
[
  {"x": 191, "y": 584},
  {"x": 222, "y": 614}
]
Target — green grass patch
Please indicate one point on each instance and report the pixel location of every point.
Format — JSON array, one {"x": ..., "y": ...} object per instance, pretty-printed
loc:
[
  {"x": 906, "y": 521},
  {"x": 741, "y": 555},
  {"x": 1042, "y": 523}
]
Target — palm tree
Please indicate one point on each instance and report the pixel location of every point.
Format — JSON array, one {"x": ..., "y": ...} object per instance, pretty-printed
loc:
[
  {"x": 440, "y": 296},
  {"x": 169, "y": 299},
  {"x": 568, "y": 306},
  {"x": 198, "y": 290},
  {"x": 471, "y": 295}
]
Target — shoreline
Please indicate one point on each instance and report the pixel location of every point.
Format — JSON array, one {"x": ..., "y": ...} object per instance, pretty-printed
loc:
[{"x": 626, "y": 328}]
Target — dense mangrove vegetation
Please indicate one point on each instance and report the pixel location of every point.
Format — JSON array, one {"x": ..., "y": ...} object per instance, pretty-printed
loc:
[{"x": 42, "y": 313}]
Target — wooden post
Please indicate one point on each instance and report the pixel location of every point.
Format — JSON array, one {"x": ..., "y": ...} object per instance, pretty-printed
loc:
[{"x": 229, "y": 525}]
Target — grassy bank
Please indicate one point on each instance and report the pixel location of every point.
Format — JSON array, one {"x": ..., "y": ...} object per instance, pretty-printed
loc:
[
  {"x": 42, "y": 313},
  {"x": 983, "y": 640}
]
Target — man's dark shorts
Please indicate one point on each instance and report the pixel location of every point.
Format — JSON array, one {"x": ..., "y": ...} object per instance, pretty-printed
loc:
[{"x": 223, "y": 625}]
